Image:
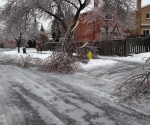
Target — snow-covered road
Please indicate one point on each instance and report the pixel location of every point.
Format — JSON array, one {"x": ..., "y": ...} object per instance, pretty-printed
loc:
[{"x": 29, "y": 97}]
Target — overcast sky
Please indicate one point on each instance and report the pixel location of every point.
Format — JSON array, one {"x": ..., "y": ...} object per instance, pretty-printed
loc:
[{"x": 144, "y": 2}]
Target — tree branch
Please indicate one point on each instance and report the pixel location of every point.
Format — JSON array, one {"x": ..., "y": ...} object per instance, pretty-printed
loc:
[
  {"x": 71, "y": 4},
  {"x": 55, "y": 16}
]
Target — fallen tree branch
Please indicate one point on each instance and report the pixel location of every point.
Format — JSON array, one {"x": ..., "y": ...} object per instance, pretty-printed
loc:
[
  {"x": 138, "y": 85},
  {"x": 21, "y": 61}
]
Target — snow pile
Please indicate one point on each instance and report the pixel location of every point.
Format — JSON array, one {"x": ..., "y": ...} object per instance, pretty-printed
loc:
[{"x": 93, "y": 63}]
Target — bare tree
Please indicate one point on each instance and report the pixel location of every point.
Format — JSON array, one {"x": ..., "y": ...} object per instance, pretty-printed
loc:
[
  {"x": 18, "y": 16},
  {"x": 22, "y": 12},
  {"x": 65, "y": 14},
  {"x": 33, "y": 30},
  {"x": 110, "y": 14}
]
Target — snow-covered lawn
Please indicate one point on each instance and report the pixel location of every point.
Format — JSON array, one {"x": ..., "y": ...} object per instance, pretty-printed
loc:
[
  {"x": 133, "y": 58},
  {"x": 100, "y": 78},
  {"x": 102, "y": 61}
]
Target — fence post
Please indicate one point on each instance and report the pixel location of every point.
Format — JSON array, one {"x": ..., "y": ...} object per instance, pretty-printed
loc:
[
  {"x": 126, "y": 47},
  {"x": 104, "y": 46}
]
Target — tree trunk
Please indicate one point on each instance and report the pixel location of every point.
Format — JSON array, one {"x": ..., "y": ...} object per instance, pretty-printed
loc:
[{"x": 19, "y": 42}]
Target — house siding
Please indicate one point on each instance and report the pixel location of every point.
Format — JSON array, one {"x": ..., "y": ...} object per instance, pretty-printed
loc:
[
  {"x": 80, "y": 31},
  {"x": 96, "y": 33},
  {"x": 8, "y": 45},
  {"x": 140, "y": 20}
]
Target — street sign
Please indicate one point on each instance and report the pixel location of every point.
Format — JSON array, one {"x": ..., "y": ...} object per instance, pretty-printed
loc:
[{"x": 11, "y": 42}]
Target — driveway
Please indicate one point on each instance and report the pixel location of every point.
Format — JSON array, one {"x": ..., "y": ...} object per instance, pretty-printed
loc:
[{"x": 29, "y": 97}]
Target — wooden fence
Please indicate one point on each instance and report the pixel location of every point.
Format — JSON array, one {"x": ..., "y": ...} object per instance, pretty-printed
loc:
[
  {"x": 110, "y": 48},
  {"x": 124, "y": 47}
]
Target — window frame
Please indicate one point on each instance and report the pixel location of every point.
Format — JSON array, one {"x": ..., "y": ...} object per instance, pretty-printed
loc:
[
  {"x": 109, "y": 15},
  {"x": 148, "y": 13},
  {"x": 146, "y": 31}
]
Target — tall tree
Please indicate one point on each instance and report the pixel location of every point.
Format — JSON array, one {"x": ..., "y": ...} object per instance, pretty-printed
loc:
[
  {"x": 108, "y": 14},
  {"x": 19, "y": 15},
  {"x": 42, "y": 28}
]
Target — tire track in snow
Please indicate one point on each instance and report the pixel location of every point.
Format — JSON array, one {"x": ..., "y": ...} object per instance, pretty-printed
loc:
[
  {"x": 119, "y": 116},
  {"x": 15, "y": 109},
  {"x": 9, "y": 114},
  {"x": 75, "y": 112}
]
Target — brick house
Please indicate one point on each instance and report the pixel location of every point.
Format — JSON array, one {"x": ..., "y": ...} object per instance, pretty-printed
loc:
[
  {"x": 97, "y": 31},
  {"x": 142, "y": 20}
]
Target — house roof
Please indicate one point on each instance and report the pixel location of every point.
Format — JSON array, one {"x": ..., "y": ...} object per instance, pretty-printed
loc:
[
  {"x": 142, "y": 7},
  {"x": 146, "y": 5},
  {"x": 91, "y": 5},
  {"x": 88, "y": 8}
]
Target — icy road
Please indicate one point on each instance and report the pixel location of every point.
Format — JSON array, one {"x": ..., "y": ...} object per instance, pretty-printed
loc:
[{"x": 29, "y": 97}]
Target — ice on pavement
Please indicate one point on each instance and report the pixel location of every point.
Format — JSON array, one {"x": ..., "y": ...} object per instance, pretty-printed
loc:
[{"x": 95, "y": 79}]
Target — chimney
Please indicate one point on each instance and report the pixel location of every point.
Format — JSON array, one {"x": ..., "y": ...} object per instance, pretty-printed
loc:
[
  {"x": 139, "y": 17},
  {"x": 139, "y": 5},
  {"x": 95, "y": 3}
]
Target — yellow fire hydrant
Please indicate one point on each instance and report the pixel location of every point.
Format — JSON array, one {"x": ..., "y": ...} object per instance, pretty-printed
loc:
[{"x": 89, "y": 55}]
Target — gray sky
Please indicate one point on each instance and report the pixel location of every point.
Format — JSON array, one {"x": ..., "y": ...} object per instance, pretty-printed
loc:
[
  {"x": 144, "y": 2},
  {"x": 2, "y": 2}
]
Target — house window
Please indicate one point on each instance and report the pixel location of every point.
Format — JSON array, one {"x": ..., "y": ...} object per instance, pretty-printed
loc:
[
  {"x": 146, "y": 32},
  {"x": 147, "y": 15},
  {"x": 109, "y": 16}
]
